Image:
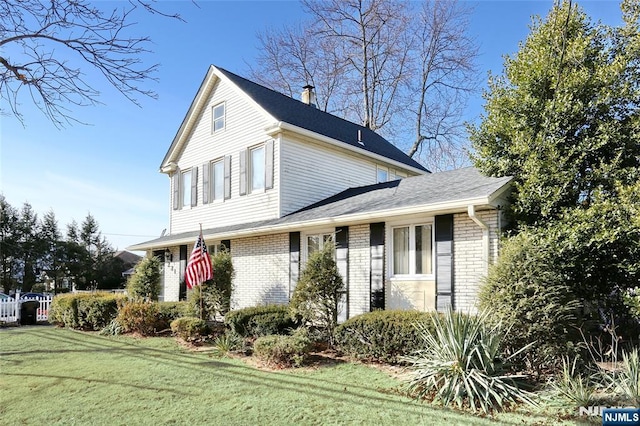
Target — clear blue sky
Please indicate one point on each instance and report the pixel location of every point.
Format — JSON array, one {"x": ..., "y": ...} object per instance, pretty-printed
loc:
[{"x": 110, "y": 167}]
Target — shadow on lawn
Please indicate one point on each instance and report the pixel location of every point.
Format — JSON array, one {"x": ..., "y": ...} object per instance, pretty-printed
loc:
[{"x": 305, "y": 382}]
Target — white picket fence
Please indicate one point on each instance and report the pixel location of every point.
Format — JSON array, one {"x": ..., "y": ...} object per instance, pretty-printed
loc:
[{"x": 10, "y": 310}]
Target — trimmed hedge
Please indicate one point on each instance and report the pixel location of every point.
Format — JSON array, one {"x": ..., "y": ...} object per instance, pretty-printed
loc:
[
  {"x": 382, "y": 336},
  {"x": 283, "y": 351},
  {"x": 260, "y": 320},
  {"x": 85, "y": 311},
  {"x": 189, "y": 328},
  {"x": 139, "y": 317}
]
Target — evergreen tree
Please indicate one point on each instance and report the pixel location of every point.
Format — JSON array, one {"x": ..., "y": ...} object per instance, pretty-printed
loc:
[{"x": 9, "y": 245}]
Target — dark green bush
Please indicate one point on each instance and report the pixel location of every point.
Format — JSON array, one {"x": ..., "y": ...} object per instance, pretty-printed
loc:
[
  {"x": 169, "y": 311},
  {"x": 189, "y": 328},
  {"x": 139, "y": 317},
  {"x": 85, "y": 311},
  {"x": 217, "y": 291},
  {"x": 145, "y": 281},
  {"x": 283, "y": 351},
  {"x": 528, "y": 293},
  {"x": 260, "y": 320},
  {"x": 381, "y": 335}
]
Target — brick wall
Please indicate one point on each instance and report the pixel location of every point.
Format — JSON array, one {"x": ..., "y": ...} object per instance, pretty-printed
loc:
[
  {"x": 262, "y": 270},
  {"x": 469, "y": 265},
  {"x": 359, "y": 264}
]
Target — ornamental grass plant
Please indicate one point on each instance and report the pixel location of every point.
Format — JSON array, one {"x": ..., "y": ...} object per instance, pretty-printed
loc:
[{"x": 460, "y": 364}]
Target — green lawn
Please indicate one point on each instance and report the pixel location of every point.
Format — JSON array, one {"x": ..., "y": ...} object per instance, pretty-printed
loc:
[{"x": 58, "y": 376}]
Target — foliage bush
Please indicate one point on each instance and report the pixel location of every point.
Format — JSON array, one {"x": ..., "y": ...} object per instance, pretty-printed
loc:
[
  {"x": 85, "y": 311},
  {"x": 283, "y": 351},
  {"x": 461, "y": 365},
  {"x": 169, "y": 311},
  {"x": 139, "y": 317},
  {"x": 318, "y": 291},
  {"x": 145, "y": 281},
  {"x": 260, "y": 320},
  {"x": 217, "y": 291},
  {"x": 383, "y": 336},
  {"x": 528, "y": 293},
  {"x": 189, "y": 328}
]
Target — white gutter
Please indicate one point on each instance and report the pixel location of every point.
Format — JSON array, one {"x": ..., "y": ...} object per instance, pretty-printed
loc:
[
  {"x": 280, "y": 126},
  {"x": 439, "y": 208},
  {"x": 471, "y": 210}
]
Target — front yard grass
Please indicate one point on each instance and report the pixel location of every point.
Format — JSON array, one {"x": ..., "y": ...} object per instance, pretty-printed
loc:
[{"x": 59, "y": 376}]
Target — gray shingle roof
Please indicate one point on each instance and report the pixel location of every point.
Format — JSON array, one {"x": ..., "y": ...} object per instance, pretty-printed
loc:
[
  {"x": 293, "y": 111},
  {"x": 418, "y": 191}
]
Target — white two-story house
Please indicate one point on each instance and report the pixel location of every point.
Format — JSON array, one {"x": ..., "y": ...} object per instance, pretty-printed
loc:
[{"x": 273, "y": 178}]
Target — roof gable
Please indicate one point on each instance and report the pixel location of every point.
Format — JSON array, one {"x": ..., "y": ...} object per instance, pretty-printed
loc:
[{"x": 285, "y": 109}]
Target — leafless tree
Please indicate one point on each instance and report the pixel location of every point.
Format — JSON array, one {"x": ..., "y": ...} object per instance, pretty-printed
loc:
[
  {"x": 383, "y": 63},
  {"x": 48, "y": 50},
  {"x": 444, "y": 76}
]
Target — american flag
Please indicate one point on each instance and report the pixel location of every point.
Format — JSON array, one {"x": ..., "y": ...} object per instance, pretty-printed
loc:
[{"x": 199, "y": 268}]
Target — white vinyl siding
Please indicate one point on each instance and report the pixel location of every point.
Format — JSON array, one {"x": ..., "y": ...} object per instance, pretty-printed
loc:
[{"x": 244, "y": 127}]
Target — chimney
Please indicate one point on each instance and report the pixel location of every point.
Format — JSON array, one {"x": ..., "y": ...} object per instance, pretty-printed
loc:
[{"x": 308, "y": 96}]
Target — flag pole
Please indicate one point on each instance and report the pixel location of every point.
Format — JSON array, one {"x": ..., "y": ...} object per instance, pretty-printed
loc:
[{"x": 202, "y": 283}]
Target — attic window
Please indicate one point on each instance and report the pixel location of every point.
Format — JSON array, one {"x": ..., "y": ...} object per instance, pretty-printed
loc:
[
  {"x": 218, "y": 117},
  {"x": 382, "y": 174}
]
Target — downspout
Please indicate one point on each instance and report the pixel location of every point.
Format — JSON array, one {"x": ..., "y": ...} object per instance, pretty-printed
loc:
[{"x": 471, "y": 210}]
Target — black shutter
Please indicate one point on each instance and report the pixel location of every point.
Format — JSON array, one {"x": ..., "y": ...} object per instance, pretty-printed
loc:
[
  {"x": 243, "y": 172},
  {"x": 294, "y": 261},
  {"x": 194, "y": 186},
  {"x": 268, "y": 167},
  {"x": 376, "y": 242},
  {"x": 444, "y": 262},
  {"x": 175, "y": 181},
  {"x": 205, "y": 183},
  {"x": 226, "y": 244},
  {"x": 183, "y": 268},
  {"x": 342, "y": 262},
  {"x": 227, "y": 177}
]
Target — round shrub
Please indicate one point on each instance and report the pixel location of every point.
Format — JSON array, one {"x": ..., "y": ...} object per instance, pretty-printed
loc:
[
  {"x": 528, "y": 293},
  {"x": 260, "y": 320},
  {"x": 283, "y": 351},
  {"x": 383, "y": 336},
  {"x": 139, "y": 317},
  {"x": 189, "y": 328},
  {"x": 169, "y": 311}
]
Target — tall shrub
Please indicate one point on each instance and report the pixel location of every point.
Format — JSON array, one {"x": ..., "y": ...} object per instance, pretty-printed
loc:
[
  {"x": 316, "y": 296},
  {"x": 145, "y": 282},
  {"x": 216, "y": 292}
]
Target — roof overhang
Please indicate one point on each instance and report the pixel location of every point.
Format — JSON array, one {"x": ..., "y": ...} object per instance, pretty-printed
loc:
[{"x": 282, "y": 225}]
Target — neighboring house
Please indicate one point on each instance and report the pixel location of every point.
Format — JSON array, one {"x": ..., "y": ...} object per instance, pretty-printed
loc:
[
  {"x": 273, "y": 178},
  {"x": 129, "y": 262}
]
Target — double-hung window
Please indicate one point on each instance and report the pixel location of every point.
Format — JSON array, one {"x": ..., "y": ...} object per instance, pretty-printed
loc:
[
  {"x": 217, "y": 180},
  {"x": 382, "y": 174},
  {"x": 257, "y": 168},
  {"x": 316, "y": 242},
  {"x": 218, "y": 117},
  {"x": 412, "y": 250},
  {"x": 186, "y": 188}
]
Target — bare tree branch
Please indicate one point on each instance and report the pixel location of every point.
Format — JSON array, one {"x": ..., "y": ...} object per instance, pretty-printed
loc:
[{"x": 46, "y": 46}]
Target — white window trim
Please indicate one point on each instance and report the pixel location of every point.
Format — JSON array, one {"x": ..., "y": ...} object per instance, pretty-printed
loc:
[
  {"x": 383, "y": 169},
  {"x": 249, "y": 166},
  {"x": 212, "y": 181},
  {"x": 183, "y": 190},
  {"x": 389, "y": 257},
  {"x": 224, "y": 118},
  {"x": 305, "y": 243}
]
